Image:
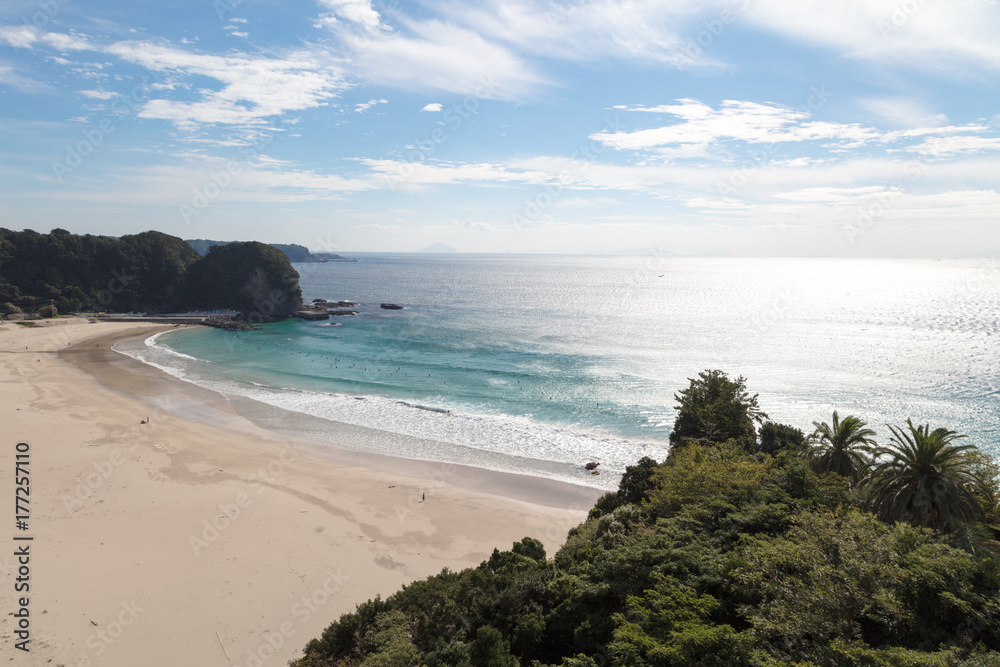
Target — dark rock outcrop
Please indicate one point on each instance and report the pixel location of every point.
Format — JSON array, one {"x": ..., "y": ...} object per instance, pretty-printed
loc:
[{"x": 391, "y": 306}]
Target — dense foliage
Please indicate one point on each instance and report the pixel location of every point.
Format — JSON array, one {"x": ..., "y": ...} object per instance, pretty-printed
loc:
[
  {"x": 253, "y": 278},
  {"x": 729, "y": 552},
  {"x": 925, "y": 479},
  {"x": 714, "y": 408},
  {"x": 294, "y": 252},
  {"x": 149, "y": 272},
  {"x": 843, "y": 447},
  {"x": 133, "y": 273}
]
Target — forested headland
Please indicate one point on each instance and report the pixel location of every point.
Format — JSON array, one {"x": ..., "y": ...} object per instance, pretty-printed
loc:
[
  {"x": 750, "y": 544},
  {"x": 294, "y": 252},
  {"x": 149, "y": 272}
]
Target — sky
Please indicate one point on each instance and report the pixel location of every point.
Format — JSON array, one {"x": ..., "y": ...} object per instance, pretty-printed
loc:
[{"x": 739, "y": 127}]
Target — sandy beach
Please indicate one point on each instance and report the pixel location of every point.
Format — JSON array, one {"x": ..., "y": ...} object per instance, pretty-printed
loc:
[{"x": 201, "y": 539}]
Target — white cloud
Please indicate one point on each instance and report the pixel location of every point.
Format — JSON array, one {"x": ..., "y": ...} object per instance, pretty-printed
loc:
[
  {"x": 943, "y": 146},
  {"x": 433, "y": 106},
  {"x": 442, "y": 56},
  {"x": 253, "y": 87},
  {"x": 751, "y": 122},
  {"x": 937, "y": 35},
  {"x": 397, "y": 174},
  {"x": 717, "y": 204},
  {"x": 378, "y": 227},
  {"x": 942, "y": 36},
  {"x": 476, "y": 225},
  {"x": 756, "y": 123},
  {"x": 64, "y": 42},
  {"x": 365, "y": 106},
  {"x": 9, "y": 77},
  {"x": 358, "y": 12},
  {"x": 831, "y": 195},
  {"x": 25, "y": 37},
  {"x": 904, "y": 111},
  {"x": 584, "y": 202},
  {"x": 20, "y": 37},
  {"x": 97, "y": 94},
  {"x": 645, "y": 30}
]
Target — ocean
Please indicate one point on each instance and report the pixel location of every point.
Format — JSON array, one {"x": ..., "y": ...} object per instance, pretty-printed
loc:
[{"x": 540, "y": 364}]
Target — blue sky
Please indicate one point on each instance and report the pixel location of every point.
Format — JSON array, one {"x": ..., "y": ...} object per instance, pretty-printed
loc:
[{"x": 747, "y": 127}]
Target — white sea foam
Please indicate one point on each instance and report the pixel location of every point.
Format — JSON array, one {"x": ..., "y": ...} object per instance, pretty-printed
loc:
[
  {"x": 589, "y": 352},
  {"x": 505, "y": 443}
]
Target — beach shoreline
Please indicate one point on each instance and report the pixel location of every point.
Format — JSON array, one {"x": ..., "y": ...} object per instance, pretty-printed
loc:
[
  {"x": 217, "y": 541},
  {"x": 533, "y": 489}
]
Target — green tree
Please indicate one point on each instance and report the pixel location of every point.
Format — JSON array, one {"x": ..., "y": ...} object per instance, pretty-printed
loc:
[
  {"x": 672, "y": 625},
  {"x": 490, "y": 649},
  {"x": 987, "y": 469},
  {"x": 842, "y": 584},
  {"x": 716, "y": 409},
  {"x": 925, "y": 479},
  {"x": 775, "y": 438},
  {"x": 530, "y": 547},
  {"x": 48, "y": 310},
  {"x": 250, "y": 277},
  {"x": 638, "y": 480},
  {"x": 387, "y": 642},
  {"x": 842, "y": 447},
  {"x": 698, "y": 473}
]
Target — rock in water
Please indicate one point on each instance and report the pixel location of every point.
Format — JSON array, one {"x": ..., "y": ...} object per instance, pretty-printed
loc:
[{"x": 391, "y": 306}]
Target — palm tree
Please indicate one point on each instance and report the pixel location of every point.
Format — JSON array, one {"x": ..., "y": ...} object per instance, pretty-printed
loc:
[
  {"x": 925, "y": 480},
  {"x": 842, "y": 448}
]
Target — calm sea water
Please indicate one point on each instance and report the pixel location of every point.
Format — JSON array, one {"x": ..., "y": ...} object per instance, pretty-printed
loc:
[{"x": 546, "y": 362}]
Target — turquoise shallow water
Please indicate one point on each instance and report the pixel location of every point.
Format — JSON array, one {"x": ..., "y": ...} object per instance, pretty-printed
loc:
[{"x": 544, "y": 363}]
